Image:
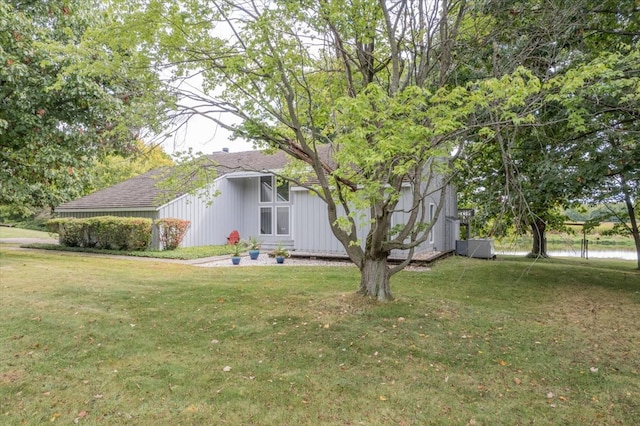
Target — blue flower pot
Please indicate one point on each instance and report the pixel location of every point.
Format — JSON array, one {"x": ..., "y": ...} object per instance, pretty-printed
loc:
[
  {"x": 280, "y": 259},
  {"x": 253, "y": 254},
  {"x": 235, "y": 260}
]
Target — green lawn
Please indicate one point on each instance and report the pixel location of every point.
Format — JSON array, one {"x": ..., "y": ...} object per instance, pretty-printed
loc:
[
  {"x": 7, "y": 232},
  {"x": 185, "y": 253},
  {"x": 117, "y": 341}
]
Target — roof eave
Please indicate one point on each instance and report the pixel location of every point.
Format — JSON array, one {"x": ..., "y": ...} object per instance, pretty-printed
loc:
[{"x": 107, "y": 209}]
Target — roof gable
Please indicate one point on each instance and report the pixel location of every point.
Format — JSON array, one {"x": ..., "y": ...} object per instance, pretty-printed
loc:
[
  {"x": 137, "y": 193},
  {"x": 142, "y": 192}
]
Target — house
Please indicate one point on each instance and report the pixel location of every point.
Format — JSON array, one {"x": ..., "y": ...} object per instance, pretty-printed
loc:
[{"x": 251, "y": 201}]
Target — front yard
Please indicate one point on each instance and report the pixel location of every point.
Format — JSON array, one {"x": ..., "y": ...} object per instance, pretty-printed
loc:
[{"x": 107, "y": 341}]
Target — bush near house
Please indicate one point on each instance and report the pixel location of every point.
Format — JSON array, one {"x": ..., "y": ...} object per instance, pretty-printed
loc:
[
  {"x": 107, "y": 232},
  {"x": 171, "y": 232}
]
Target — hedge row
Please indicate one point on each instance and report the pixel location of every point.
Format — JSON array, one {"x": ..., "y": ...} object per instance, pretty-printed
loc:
[{"x": 105, "y": 232}]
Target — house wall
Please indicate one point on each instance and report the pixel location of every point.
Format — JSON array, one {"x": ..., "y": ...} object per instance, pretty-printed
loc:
[
  {"x": 312, "y": 232},
  {"x": 210, "y": 224}
]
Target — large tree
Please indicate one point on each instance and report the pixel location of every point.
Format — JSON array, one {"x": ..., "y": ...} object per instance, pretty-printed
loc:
[
  {"x": 372, "y": 82},
  {"x": 577, "y": 49},
  {"x": 65, "y": 99},
  {"x": 115, "y": 168}
]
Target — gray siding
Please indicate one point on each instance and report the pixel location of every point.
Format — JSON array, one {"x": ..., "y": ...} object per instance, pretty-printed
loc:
[
  {"x": 237, "y": 208},
  {"x": 210, "y": 224},
  {"x": 312, "y": 232}
]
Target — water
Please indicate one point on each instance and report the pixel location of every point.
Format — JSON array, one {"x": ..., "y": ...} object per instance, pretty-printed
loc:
[{"x": 593, "y": 254}]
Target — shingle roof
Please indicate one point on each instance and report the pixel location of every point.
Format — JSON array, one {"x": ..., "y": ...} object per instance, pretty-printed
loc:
[
  {"x": 139, "y": 192},
  {"x": 228, "y": 162},
  {"x": 142, "y": 193}
]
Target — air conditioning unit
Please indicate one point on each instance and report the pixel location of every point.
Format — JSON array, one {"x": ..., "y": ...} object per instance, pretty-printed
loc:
[{"x": 481, "y": 249}]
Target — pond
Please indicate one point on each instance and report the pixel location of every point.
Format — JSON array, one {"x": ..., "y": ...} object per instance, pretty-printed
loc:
[{"x": 593, "y": 254}]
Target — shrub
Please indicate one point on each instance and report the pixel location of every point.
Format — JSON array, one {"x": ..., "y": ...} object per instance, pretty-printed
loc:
[
  {"x": 171, "y": 232},
  {"x": 108, "y": 232},
  {"x": 70, "y": 231}
]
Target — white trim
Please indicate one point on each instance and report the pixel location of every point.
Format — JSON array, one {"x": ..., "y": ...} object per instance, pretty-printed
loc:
[
  {"x": 109, "y": 209},
  {"x": 241, "y": 175},
  {"x": 297, "y": 188}
]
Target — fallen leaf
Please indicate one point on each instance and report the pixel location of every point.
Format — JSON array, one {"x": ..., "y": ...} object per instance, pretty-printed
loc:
[
  {"x": 326, "y": 326},
  {"x": 54, "y": 417},
  {"x": 83, "y": 413},
  {"x": 98, "y": 396},
  {"x": 503, "y": 362},
  {"x": 593, "y": 369},
  {"x": 549, "y": 395},
  {"x": 562, "y": 398},
  {"x": 227, "y": 368},
  {"x": 382, "y": 398},
  {"x": 517, "y": 381}
]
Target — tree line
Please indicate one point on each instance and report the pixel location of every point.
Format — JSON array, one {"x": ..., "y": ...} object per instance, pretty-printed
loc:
[{"x": 528, "y": 106}]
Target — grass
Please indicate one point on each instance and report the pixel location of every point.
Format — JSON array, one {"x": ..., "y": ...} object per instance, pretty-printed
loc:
[
  {"x": 184, "y": 253},
  {"x": 118, "y": 341},
  {"x": 12, "y": 232}
]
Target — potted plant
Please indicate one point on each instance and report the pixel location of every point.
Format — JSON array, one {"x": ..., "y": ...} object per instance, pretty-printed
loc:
[
  {"x": 235, "y": 257},
  {"x": 280, "y": 253},
  {"x": 254, "y": 248}
]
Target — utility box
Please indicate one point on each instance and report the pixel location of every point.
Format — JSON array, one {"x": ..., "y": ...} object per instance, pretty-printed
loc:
[
  {"x": 461, "y": 247},
  {"x": 481, "y": 249}
]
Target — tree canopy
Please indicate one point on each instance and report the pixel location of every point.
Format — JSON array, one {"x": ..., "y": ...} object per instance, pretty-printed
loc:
[
  {"x": 66, "y": 99},
  {"x": 377, "y": 84},
  {"x": 585, "y": 53}
]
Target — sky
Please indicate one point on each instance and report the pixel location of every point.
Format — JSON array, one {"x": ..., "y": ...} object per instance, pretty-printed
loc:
[
  {"x": 203, "y": 135},
  {"x": 199, "y": 133}
]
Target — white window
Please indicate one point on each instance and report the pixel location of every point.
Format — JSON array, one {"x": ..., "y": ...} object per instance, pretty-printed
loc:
[
  {"x": 266, "y": 189},
  {"x": 266, "y": 220},
  {"x": 274, "y": 214}
]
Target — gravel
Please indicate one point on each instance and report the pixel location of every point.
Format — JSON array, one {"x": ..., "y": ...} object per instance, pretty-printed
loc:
[{"x": 264, "y": 260}]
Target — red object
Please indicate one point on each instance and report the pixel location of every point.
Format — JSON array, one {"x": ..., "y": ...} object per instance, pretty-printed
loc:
[{"x": 233, "y": 238}]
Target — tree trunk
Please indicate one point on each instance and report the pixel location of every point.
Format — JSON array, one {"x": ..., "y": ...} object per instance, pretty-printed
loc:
[
  {"x": 634, "y": 223},
  {"x": 374, "y": 279},
  {"x": 538, "y": 227}
]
